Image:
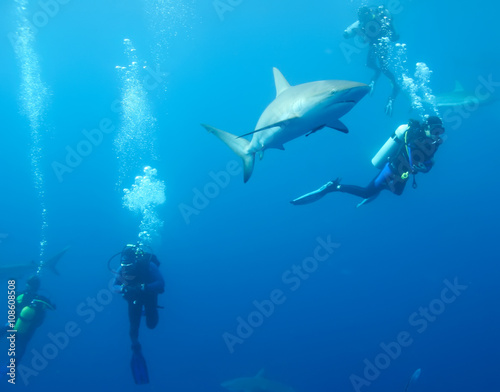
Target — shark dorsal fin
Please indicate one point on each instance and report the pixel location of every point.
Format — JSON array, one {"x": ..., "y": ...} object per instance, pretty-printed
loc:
[
  {"x": 280, "y": 81},
  {"x": 261, "y": 371},
  {"x": 458, "y": 86}
]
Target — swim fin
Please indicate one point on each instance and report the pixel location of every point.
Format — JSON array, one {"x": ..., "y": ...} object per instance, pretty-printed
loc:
[{"x": 139, "y": 368}]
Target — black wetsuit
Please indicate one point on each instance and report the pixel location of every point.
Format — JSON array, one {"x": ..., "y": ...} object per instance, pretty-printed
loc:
[{"x": 140, "y": 289}]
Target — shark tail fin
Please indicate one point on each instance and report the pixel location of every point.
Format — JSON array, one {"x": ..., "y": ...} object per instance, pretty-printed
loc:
[
  {"x": 51, "y": 263},
  {"x": 239, "y": 146}
]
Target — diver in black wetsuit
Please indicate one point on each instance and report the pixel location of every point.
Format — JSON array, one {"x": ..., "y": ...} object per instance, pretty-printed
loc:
[
  {"x": 412, "y": 149},
  {"x": 375, "y": 26},
  {"x": 139, "y": 281}
]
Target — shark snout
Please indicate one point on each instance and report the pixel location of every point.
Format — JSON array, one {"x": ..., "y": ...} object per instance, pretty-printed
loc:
[{"x": 352, "y": 91}]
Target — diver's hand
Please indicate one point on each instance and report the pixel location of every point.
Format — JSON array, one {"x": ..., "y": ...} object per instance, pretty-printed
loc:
[
  {"x": 388, "y": 107},
  {"x": 131, "y": 292},
  {"x": 419, "y": 167},
  {"x": 372, "y": 87}
]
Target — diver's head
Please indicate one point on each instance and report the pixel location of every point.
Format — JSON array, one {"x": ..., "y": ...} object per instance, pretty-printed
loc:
[
  {"x": 130, "y": 255},
  {"x": 365, "y": 14},
  {"x": 433, "y": 127},
  {"x": 33, "y": 284}
]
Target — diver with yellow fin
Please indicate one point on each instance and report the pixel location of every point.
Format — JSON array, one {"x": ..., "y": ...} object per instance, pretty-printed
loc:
[
  {"x": 30, "y": 314},
  {"x": 410, "y": 150},
  {"x": 139, "y": 281},
  {"x": 31, "y": 308}
]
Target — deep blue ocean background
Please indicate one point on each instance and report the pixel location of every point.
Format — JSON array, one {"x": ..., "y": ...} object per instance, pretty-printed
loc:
[{"x": 393, "y": 255}]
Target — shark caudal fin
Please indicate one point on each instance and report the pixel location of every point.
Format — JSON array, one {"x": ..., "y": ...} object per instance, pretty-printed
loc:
[
  {"x": 239, "y": 146},
  {"x": 52, "y": 262}
]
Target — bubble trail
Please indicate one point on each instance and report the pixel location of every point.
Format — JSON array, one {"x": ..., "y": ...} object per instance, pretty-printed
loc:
[
  {"x": 33, "y": 96},
  {"x": 166, "y": 18},
  {"x": 135, "y": 140},
  {"x": 417, "y": 87},
  {"x": 143, "y": 197}
]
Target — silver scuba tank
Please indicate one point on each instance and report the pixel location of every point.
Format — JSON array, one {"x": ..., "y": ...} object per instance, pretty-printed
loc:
[{"x": 390, "y": 147}]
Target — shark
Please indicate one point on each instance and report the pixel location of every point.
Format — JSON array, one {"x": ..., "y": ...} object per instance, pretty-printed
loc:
[
  {"x": 17, "y": 270},
  {"x": 296, "y": 111},
  {"x": 257, "y": 383},
  {"x": 460, "y": 97}
]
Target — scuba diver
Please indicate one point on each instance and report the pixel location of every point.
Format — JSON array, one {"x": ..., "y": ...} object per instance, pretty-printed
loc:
[
  {"x": 30, "y": 314},
  {"x": 139, "y": 281},
  {"x": 30, "y": 308},
  {"x": 375, "y": 27},
  {"x": 410, "y": 150}
]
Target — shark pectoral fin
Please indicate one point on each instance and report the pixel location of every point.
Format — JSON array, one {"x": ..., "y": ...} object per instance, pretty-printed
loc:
[
  {"x": 261, "y": 155},
  {"x": 280, "y": 81},
  {"x": 338, "y": 125},
  {"x": 239, "y": 146}
]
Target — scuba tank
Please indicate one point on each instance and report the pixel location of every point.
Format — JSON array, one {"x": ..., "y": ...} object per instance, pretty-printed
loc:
[
  {"x": 25, "y": 319},
  {"x": 390, "y": 147}
]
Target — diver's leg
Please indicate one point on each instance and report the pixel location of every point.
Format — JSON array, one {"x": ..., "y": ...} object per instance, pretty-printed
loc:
[
  {"x": 21, "y": 344},
  {"x": 151, "y": 307},
  {"x": 134, "y": 316},
  {"x": 364, "y": 192},
  {"x": 379, "y": 183},
  {"x": 393, "y": 80}
]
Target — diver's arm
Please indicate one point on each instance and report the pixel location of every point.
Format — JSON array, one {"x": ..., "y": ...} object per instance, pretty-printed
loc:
[
  {"x": 158, "y": 284},
  {"x": 118, "y": 283},
  {"x": 45, "y": 302},
  {"x": 314, "y": 195},
  {"x": 424, "y": 167},
  {"x": 352, "y": 30},
  {"x": 394, "y": 33}
]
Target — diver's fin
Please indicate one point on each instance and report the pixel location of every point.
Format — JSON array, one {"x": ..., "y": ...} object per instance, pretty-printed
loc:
[
  {"x": 414, "y": 377},
  {"x": 139, "y": 368},
  {"x": 280, "y": 81},
  {"x": 366, "y": 201},
  {"x": 239, "y": 146},
  {"x": 51, "y": 263}
]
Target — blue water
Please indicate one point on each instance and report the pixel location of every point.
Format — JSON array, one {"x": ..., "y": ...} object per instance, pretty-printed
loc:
[{"x": 391, "y": 257}]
